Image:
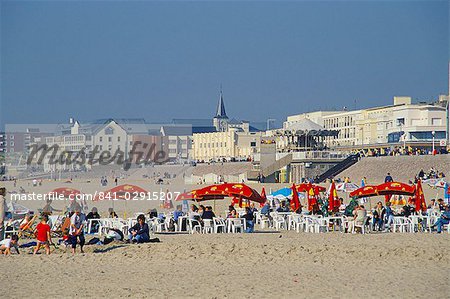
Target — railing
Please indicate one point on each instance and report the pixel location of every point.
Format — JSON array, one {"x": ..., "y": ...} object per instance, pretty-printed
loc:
[
  {"x": 338, "y": 168},
  {"x": 318, "y": 155}
]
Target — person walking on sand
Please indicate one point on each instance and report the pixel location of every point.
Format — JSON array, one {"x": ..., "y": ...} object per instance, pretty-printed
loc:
[
  {"x": 76, "y": 230},
  {"x": 43, "y": 237}
]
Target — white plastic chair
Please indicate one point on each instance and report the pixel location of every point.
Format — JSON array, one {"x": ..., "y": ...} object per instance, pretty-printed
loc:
[
  {"x": 158, "y": 225},
  {"x": 208, "y": 226},
  {"x": 219, "y": 225},
  {"x": 167, "y": 224},
  {"x": 194, "y": 226},
  {"x": 362, "y": 226},
  {"x": 263, "y": 220},
  {"x": 279, "y": 222},
  {"x": 236, "y": 225},
  {"x": 400, "y": 224},
  {"x": 311, "y": 225},
  {"x": 297, "y": 222}
]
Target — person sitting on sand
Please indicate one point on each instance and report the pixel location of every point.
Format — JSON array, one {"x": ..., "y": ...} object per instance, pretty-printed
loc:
[
  {"x": 76, "y": 230},
  {"x": 43, "y": 237},
  {"x": 140, "y": 232},
  {"x": 6, "y": 244}
]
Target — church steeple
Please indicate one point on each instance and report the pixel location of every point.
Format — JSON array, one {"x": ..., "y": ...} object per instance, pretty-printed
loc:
[
  {"x": 220, "y": 121},
  {"x": 220, "y": 113}
]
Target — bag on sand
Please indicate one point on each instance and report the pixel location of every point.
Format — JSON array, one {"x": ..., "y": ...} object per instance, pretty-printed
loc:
[{"x": 93, "y": 241}]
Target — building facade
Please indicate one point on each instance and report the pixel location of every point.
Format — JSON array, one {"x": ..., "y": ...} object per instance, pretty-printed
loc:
[
  {"x": 229, "y": 145},
  {"x": 400, "y": 123}
]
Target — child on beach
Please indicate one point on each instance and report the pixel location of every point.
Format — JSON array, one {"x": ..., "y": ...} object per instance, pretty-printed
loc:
[
  {"x": 43, "y": 235},
  {"x": 6, "y": 244}
]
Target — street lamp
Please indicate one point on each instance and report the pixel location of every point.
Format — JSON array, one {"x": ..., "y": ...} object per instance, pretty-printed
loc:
[{"x": 433, "y": 133}]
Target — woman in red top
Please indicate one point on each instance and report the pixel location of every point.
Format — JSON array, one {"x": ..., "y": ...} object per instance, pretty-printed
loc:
[{"x": 43, "y": 235}]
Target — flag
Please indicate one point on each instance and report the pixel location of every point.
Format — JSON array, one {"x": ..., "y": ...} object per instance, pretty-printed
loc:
[
  {"x": 295, "y": 202},
  {"x": 420, "y": 198},
  {"x": 263, "y": 195},
  {"x": 310, "y": 197},
  {"x": 332, "y": 197}
]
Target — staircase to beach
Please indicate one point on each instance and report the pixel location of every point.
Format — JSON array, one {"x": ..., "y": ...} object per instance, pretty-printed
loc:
[{"x": 338, "y": 168}]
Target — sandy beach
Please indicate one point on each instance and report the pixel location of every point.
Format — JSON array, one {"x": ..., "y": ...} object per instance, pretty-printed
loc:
[
  {"x": 264, "y": 264},
  {"x": 271, "y": 264}
]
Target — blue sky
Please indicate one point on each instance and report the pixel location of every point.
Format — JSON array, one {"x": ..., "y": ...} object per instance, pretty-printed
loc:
[{"x": 164, "y": 60}]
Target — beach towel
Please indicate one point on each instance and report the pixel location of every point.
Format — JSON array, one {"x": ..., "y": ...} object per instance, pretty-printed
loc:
[{"x": 29, "y": 244}]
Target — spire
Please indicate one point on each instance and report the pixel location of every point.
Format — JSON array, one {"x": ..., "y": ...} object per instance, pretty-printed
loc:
[{"x": 221, "y": 106}]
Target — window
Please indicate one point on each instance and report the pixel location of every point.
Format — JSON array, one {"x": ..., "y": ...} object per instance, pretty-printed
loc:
[
  {"x": 118, "y": 138},
  {"x": 11, "y": 137},
  {"x": 436, "y": 121},
  {"x": 400, "y": 121},
  {"x": 11, "y": 143},
  {"x": 253, "y": 143},
  {"x": 109, "y": 139},
  {"x": 109, "y": 131},
  {"x": 100, "y": 139}
]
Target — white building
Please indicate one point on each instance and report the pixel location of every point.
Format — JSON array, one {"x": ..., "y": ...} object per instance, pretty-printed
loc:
[{"x": 401, "y": 122}]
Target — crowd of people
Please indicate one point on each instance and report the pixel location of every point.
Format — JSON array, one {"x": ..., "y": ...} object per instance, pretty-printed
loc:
[
  {"x": 381, "y": 218},
  {"x": 402, "y": 151}
]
